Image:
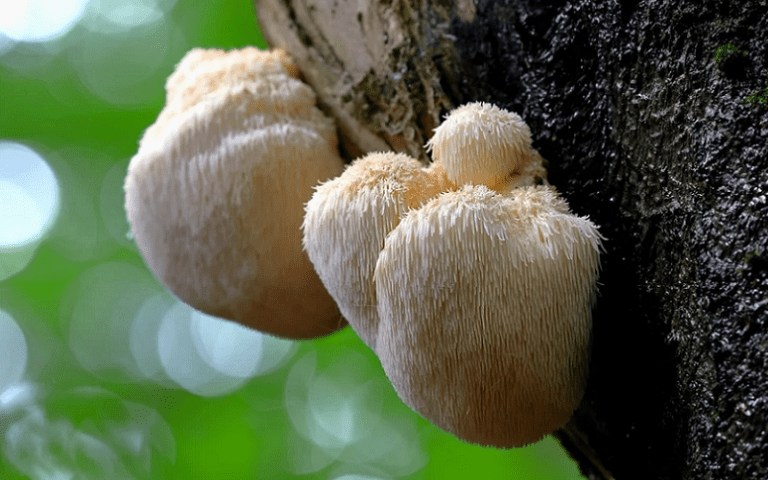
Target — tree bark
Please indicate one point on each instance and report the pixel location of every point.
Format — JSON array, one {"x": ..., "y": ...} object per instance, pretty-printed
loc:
[{"x": 654, "y": 118}]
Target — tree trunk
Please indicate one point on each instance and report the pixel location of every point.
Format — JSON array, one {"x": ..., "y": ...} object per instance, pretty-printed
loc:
[{"x": 654, "y": 118}]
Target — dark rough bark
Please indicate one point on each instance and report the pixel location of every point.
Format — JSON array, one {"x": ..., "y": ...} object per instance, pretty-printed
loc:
[{"x": 653, "y": 116}]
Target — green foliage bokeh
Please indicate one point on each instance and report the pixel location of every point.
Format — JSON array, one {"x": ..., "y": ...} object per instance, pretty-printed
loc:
[{"x": 81, "y": 102}]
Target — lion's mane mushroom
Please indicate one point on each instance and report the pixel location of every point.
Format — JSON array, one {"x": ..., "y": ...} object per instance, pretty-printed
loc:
[
  {"x": 215, "y": 194},
  {"x": 485, "y": 293},
  {"x": 471, "y": 279},
  {"x": 347, "y": 220},
  {"x": 482, "y": 144},
  {"x": 484, "y": 305}
]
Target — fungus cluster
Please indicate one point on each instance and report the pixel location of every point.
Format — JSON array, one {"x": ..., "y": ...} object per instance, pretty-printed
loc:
[
  {"x": 471, "y": 280},
  {"x": 216, "y": 191}
]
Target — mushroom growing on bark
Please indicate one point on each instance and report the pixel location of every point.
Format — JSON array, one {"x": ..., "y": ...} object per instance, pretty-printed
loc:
[
  {"x": 347, "y": 220},
  {"x": 215, "y": 195},
  {"x": 485, "y": 312},
  {"x": 482, "y": 144},
  {"x": 483, "y": 283}
]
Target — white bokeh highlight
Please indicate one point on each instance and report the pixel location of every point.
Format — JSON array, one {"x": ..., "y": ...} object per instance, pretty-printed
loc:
[
  {"x": 29, "y": 205},
  {"x": 338, "y": 411},
  {"x": 104, "y": 301},
  {"x": 29, "y": 195},
  {"x": 123, "y": 326},
  {"x": 145, "y": 328},
  {"x": 110, "y": 16},
  {"x": 228, "y": 348},
  {"x": 39, "y": 20},
  {"x": 13, "y": 357},
  {"x": 15, "y": 397},
  {"x": 121, "y": 65}
]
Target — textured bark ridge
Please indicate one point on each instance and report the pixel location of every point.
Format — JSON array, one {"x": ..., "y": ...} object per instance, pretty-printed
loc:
[
  {"x": 654, "y": 118},
  {"x": 372, "y": 64}
]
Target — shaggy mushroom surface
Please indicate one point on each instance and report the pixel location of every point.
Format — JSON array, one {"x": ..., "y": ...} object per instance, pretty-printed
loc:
[
  {"x": 471, "y": 279},
  {"x": 215, "y": 195}
]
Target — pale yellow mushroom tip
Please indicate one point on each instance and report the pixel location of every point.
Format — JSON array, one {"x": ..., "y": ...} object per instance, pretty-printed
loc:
[
  {"x": 202, "y": 72},
  {"x": 229, "y": 66},
  {"x": 347, "y": 220},
  {"x": 205, "y": 75},
  {"x": 480, "y": 143}
]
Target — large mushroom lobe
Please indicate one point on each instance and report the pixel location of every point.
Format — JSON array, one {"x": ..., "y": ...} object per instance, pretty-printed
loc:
[
  {"x": 485, "y": 312},
  {"x": 215, "y": 194},
  {"x": 347, "y": 220}
]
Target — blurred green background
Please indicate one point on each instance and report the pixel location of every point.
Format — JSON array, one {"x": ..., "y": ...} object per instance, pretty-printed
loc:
[{"x": 105, "y": 375}]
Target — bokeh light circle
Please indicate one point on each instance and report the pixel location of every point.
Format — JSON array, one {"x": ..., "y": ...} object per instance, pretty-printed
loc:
[
  {"x": 39, "y": 20},
  {"x": 13, "y": 352},
  {"x": 336, "y": 406},
  {"x": 210, "y": 356},
  {"x": 110, "y": 16},
  {"x": 122, "y": 66},
  {"x": 15, "y": 397},
  {"x": 229, "y": 348},
  {"x": 29, "y": 205},
  {"x": 100, "y": 308},
  {"x": 29, "y": 195},
  {"x": 22, "y": 217},
  {"x": 338, "y": 409},
  {"x": 123, "y": 326},
  {"x": 145, "y": 329}
]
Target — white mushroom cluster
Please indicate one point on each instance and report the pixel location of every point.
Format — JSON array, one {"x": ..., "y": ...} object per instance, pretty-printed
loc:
[
  {"x": 215, "y": 195},
  {"x": 471, "y": 279}
]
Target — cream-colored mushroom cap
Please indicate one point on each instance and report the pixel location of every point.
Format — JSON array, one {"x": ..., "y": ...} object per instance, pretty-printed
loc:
[
  {"x": 215, "y": 198},
  {"x": 481, "y": 144},
  {"x": 204, "y": 73},
  {"x": 347, "y": 220},
  {"x": 484, "y": 305}
]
